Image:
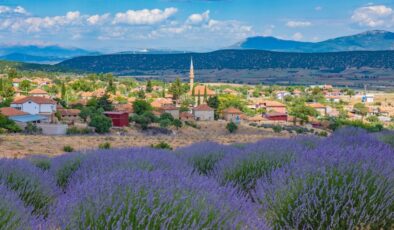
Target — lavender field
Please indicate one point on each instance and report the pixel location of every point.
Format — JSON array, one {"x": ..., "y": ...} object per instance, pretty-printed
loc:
[{"x": 345, "y": 181}]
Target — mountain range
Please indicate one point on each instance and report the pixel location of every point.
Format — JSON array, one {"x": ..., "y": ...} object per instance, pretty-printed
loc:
[
  {"x": 368, "y": 41},
  {"x": 40, "y": 54}
]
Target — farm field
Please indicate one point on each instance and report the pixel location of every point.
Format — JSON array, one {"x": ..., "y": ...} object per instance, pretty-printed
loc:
[
  {"x": 345, "y": 181},
  {"x": 19, "y": 145}
]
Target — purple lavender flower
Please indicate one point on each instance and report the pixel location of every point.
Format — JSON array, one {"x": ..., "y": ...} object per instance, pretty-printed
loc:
[
  {"x": 33, "y": 186},
  {"x": 344, "y": 183},
  {"x": 152, "y": 200}
]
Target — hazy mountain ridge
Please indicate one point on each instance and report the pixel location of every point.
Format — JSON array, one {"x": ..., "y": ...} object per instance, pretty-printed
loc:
[{"x": 368, "y": 41}]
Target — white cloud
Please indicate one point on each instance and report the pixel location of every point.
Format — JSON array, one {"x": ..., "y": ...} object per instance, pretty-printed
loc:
[
  {"x": 298, "y": 36},
  {"x": 198, "y": 18},
  {"x": 318, "y": 8},
  {"x": 36, "y": 24},
  {"x": 297, "y": 24},
  {"x": 373, "y": 15},
  {"x": 9, "y": 10},
  {"x": 97, "y": 19},
  {"x": 144, "y": 17}
]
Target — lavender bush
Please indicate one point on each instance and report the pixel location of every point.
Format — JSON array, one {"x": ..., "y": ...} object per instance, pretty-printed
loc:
[
  {"x": 63, "y": 167},
  {"x": 33, "y": 186},
  {"x": 13, "y": 213},
  {"x": 345, "y": 183},
  {"x": 204, "y": 156},
  {"x": 243, "y": 168},
  {"x": 135, "y": 199}
]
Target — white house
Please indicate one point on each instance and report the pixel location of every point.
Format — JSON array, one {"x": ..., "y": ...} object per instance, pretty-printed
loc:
[
  {"x": 368, "y": 98},
  {"x": 36, "y": 105}
]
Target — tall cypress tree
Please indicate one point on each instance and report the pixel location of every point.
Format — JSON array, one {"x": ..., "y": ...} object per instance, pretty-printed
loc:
[
  {"x": 205, "y": 94},
  {"x": 63, "y": 91},
  {"x": 199, "y": 98}
]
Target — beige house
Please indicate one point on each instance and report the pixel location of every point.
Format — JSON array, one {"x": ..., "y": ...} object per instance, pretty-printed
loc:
[
  {"x": 232, "y": 114},
  {"x": 171, "y": 109},
  {"x": 203, "y": 113}
]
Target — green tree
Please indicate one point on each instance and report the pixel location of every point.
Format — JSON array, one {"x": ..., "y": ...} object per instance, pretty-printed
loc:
[
  {"x": 231, "y": 127},
  {"x": 63, "y": 91},
  {"x": 300, "y": 111},
  {"x": 111, "y": 87},
  {"x": 141, "y": 94},
  {"x": 101, "y": 123},
  {"x": 149, "y": 87},
  {"x": 213, "y": 102},
  {"x": 205, "y": 94},
  {"x": 25, "y": 86},
  {"x": 350, "y": 93},
  {"x": 361, "y": 109},
  {"x": 144, "y": 119},
  {"x": 141, "y": 106},
  {"x": 104, "y": 103},
  {"x": 198, "y": 98},
  {"x": 176, "y": 89},
  {"x": 8, "y": 125},
  {"x": 12, "y": 73},
  {"x": 177, "y": 123}
]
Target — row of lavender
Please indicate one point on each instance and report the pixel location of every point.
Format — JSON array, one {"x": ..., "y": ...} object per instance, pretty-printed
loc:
[{"x": 345, "y": 181}]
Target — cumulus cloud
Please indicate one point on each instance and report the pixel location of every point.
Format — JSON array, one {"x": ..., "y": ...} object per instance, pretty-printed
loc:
[
  {"x": 10, "y": 10},
  {"x": 36, "y": 24},
  {"x": 297, "y": 24},
  {"x": 144, "y": 17},
  {"x": 98, "y": 19},
  {"x": 373, "y": 15},
  {"x": 198, "y": 18}
]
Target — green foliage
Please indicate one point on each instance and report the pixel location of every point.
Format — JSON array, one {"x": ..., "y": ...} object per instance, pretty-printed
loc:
[
  {"x": 32, "y": 129},
  {"x": 144, "y": 119},
  {"x": 79, "y": 131},
  {"x": 64, "y": 173},
  {"x": 361, "y": 109},
  {"x": 231, "y": 127},
  {"x": 192, "y": 124},
  {"x": 101, "y": 123},
  {"x": 277, "y": 128},
  {"x": 141, "y": 106},
  {"x": 105, "y": 145},
  {"x": 370, "y": 127},
  {"x": 149, "y": 87},
  {"x": 177, "y": 123},
  {"x": 68, "y": 149},
  {"x": 25, "y": 86},
  {"x": 162, "y": 145},
  {"x": 299, "y": 110},
  {"x": 228, "y": 100},
  {"x": 8, "y": 125},
  {"x": 373, "y": 119},
  {"x": 213, "y": 102},
  {"x": 42, "y": 163},
  {"x": 176, "y": 89},
  {"x": 104, "y": 103}
]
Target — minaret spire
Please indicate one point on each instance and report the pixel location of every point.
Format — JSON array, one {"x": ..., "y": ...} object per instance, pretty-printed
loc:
[{"x": 191, "y": 74}]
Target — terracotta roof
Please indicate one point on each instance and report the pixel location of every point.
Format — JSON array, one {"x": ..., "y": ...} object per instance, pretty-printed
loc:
[
  {"x": 203, "y": 107},
  {"x": 159, "y": 102},
  {"x": 38, "y": 91},
  {"x": 10, "y": 112},
  {"x": 232, "y": 110},
  {"x": 273, "y": 104},
  {"x": 38, "y": 100},
  {"x": 69, "y": 112}
]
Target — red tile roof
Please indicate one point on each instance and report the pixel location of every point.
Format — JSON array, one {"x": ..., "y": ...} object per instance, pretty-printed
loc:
[
  {"x": 203, "y": 107},
  {"x": 11, "y": 112},
  {"x": 69, "y": 112},
  {"x": 169, "y": 107},
  {"x": 38, "y": 100},
  {"x": 316, "y": 105}
]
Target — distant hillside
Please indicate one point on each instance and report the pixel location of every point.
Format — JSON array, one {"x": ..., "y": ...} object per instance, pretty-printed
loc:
[
  {"x": 368, "y": 41},
  {"x": 40, "y": 54},
  {"x": 230, "y": 59}
]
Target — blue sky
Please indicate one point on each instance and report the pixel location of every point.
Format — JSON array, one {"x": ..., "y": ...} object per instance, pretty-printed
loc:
[{"x": 195, "y": 25}]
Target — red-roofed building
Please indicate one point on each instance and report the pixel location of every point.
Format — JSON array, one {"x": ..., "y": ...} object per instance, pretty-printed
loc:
[
  {"x": 203, "y": 113},
  {"x": 275, "y": 116},
  {"x": 36, "y": 105},
  {"x": 232, "y": 114},
  {"x": 322, "y": 109},
  {"x": 38, "y": 93},
  {"x": 10, "y": 112},
  {"x": 171, "y": 109},
  {"x": 273, "y": 106}
]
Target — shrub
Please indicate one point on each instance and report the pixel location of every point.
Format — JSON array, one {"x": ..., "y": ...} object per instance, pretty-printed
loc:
[
  {"x": 41, "y": 162},
  {"x": 76, "y": 131},
  {"x": 152, "y": 200},
  {"x": 105, "y": 145},
  {"x": 8, "y": 125},
  {"x": 64, "y": 167},
  {"x": 335, "y": 186},
  {"x": 162, "y": 145},
  {"x": 32, "y": 129},
  {"x": 68, "y": 148},
  {"x": 33, "y": 186},
  {"x": 277, "y": 128},
  {"x": 13, "y": 214},
  {"x": 231, "y": 127},
  {"x": 323, "y": 134},
  {"x": 192, "y": 124},
  {"x": 101, "y": 123}
]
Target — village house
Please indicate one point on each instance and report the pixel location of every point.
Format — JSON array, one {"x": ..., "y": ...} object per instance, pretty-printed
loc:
[
  {"x": 186, "y": 116},
  {"x": 232, "y": 114},
  {"x": 203, "y": 113},
  {"x": 171, "y": 109},
  {"x": 335, "y": 99},
  {"x": 273, "y": 106},
  {"x": 16, "y": 82},
  {"x": 276, "y": 116},
  {"x": 36, "y": 106},
  {"x": 160, "y": 102},
  {"x": 69, "y": 115},
  {"x": 280, "y": 95},
  {"x": 367, "y": 98},
  {"x": 38, "y": 93},
  {"x": 20, "y": 117}
]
